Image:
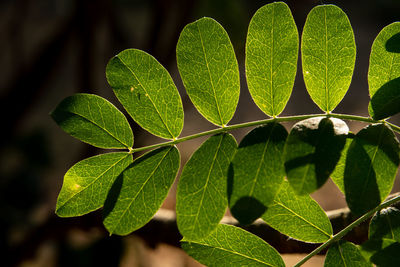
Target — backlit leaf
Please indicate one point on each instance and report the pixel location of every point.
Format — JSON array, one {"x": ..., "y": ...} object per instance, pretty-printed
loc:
[
  {"x": 328, "y": 55},
  {"x": 147, "y": 92},
  {"x": 384, "y": 73},
  {"x": 345, "y": 254},
  {"x": 201, "y": 199},
  {"x": 371, "y": 166},
  {"x": 231, "y": 246},
  {"x": 382, "y": 252},
  {"x": 271, "y": 57},
  {"x": 209, "y": 69},
  {"x": 87, "y": 183},
  {"x": 312, "y": 150},
  {"x": 337, "y": 175},
  {"x": 93, "y": 120},
  {"x": 140, "y": 190},
  {"x": 298, "y": 217},
  {"x": 385, "y": 224},
  {"x": 258, "y": 172}
]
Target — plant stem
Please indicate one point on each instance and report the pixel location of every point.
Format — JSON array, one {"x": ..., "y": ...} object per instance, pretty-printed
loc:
[
  {"x": 261, "y": 122},
  {"x": 343, "y": 232}
]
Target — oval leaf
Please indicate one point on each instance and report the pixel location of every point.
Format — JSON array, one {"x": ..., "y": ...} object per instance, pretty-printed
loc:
[
  {"x": 345, "y": 254},
  {"x": 384, "y": 73},
  {"x": 201, "y": 198},
  {"x": 232, "y": 246},
  {"x": 385, "y": 224},
  {"x": 93, "y": 120},
  {"x": 271, "y": 57},
  {"x": 312, "y": 150},
  {"x": 298, "y": 217},
  {"x": 209, "y": 69},
  {"x": 87, "y": 183},
  {"x": 258, "y": 172},
  {"x": 371, "y": 165},
  {"x": 328, "y": 53},
  {"x": 140, "y": 190},
  {"x": 147, "y": 92}
]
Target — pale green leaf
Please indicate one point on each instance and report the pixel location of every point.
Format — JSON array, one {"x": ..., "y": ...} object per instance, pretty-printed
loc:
[
  {"x": 147, "y": 91},
  {"x": 93, "y": 120},
  {"x": 385, "y": 224},
  {"x": 312, "y": 150},
  {"x": 337, "y": 175},
  {"x": 271, "y": 57},
  {"x": 328, "y": 53},
  {"x": 384, "y": 73},
  {"x": 209, "y": 69},
  {"x": 140, "y": 190},
  {"x": 345, "y": 254},
  {"x": 382, "y": 252},
  {"x": 371, "y": 165},
  {"x": 201, "y": 198},
  {"x": 258, "y": 172},
  {"x": 87, "y": 183},
  {"x": 231, "y": 246},
  {"x": 298, "y": 217}
]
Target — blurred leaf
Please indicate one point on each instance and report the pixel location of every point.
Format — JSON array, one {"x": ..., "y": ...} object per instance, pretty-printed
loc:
[
  {"x": 271, "y": 57},
  {"x": 87, "y": 183},
  {"x": 328, "y": 54},
  {"x": 384, "y": 73},
  {"x": 385, "y": 224},
  {"x": 371, "y": 166},
  {"x": 201, "y": 198},
  {"x": 298, "y": 217},
  {"x": 209, "y": 69},
  {"x": 258, "y": 172},
  {"x": 383, "y": 253},
  {"x": 93, "y": 120},
  {"x": 231, "y": 246},
  {"x": 345, "y": 254},
  {"x": 141, "y": 190},
  {"x": 312, "y": 150},
  {"x": 147, "y": 91}
]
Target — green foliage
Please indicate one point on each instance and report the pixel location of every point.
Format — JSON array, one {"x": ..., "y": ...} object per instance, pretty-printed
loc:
[{"x": 249, "y": 178}]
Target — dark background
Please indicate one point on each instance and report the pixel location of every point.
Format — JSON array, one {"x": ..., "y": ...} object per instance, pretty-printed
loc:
[{"x": 53, "y": 49}]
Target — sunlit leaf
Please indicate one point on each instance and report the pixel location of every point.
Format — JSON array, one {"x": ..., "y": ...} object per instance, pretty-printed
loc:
[{"x": 345, "y": 254}]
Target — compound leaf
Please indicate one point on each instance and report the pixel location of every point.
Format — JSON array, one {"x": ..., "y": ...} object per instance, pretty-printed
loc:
[
  {"x": 209, "y": 69},
  {"x": 312, "y": 150},
  {"x": 271, "y": 57},
  {"x": 371, "y": 165},
  {"x": 87, "y": 183},
  {"x": 140, "y": 190},
  {"x": 147, "y": 91},
  {"x": 298, "y": 217},
  {"x": 385, "y": 224},
  {"x": 328, "y": 54},
  {"x": 384, "y": 73},
  {"x": 93, "y": 120},
  {"x": 201, "y": 196},
  {"x": 345, "y": 254},
  {"x": 258, "y": 172},
  {"x": 231, "y": 246}
]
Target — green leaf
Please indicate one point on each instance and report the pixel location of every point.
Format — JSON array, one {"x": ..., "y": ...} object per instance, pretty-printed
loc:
[
  {"x": 231, "y": 246},
  {"x": 209, "y": 69},
  {"x": 201, "y": 198},
  {"x": 298, "y": 217},
  {"x": 93, "y": 120},
  {"x": 371, "y": 166},
  {"x": 141, "y": 189},
  {"x": 382, "y": 252},
  {"x": 345, "y": 254},
  {"x": 328, "y": 53},
  {"x": 147, "y": 91},
  {"x": 384, "y": 73},
  {"x": 258, "y": 172},
  {"x": 385, "y": 224},
  {"x": 271, "y": 57},
  {"x": 87, "y": 183},
  {"x": 312, "y": 150},
  {"x": 337, "y": 175}
]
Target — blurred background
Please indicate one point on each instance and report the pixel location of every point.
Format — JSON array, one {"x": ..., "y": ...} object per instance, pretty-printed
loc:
[{"x": 52, "y": 49}]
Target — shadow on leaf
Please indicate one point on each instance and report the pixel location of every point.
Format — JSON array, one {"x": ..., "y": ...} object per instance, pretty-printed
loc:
[
  {"x": 113, "y": 194},
  {"x": 393, "y": 44},
  {"x": 386, "y": 101},
  {"x": 247, "y": 209}
]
